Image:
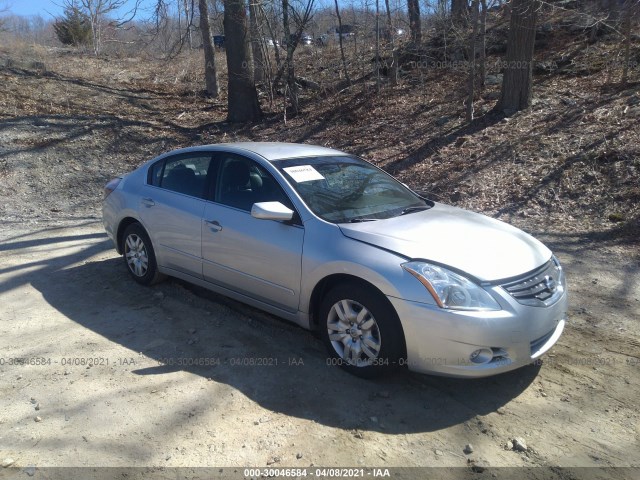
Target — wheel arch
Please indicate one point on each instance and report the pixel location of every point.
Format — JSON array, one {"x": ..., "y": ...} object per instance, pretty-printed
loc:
[
  {"x": 329, "y": 282},
  {"x": 122, "y": 226}
]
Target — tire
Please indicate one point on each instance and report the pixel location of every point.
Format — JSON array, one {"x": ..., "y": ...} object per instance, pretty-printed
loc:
[
  {"x": 376, "y": 346},
  {"x": 139, "y": 256}
]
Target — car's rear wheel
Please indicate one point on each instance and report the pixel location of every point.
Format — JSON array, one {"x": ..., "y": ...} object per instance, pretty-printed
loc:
[
  {"x": 139, "y": 256},
  {"x": 361, "y": 331}
]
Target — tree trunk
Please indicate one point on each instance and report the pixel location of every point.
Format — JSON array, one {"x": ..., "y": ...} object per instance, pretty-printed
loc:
[
  {"x": 518, "y": 72},
  {"x": 483, "y": 43},
  {"x": 342, "y": 56},
  {"x": 415, "y": 27},
  {"x": 393, "y": 72},
  {"x": 627, "y": 13},
  {"x": 458, "y": 10},
  {"x": 291, "y": 46},
  {"x": 256, "y": 42},
  {"x": 377, "y": 62},
  {"x": 210, "y": 74},
  {"x": 243, "y": 103},
  {"x": 189, "y": 16},
  {"x": 472, "y": 60}
]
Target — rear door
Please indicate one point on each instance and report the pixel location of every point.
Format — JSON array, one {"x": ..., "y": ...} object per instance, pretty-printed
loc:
[
  {"x": 258, "y": 258},
  {"x": 171, "y": 209}
]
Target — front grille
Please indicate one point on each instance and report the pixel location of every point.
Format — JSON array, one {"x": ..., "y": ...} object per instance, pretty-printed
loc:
[{"x": 540, "y": 288}]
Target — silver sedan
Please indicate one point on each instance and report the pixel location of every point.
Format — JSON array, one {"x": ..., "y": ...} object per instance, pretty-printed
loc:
[{"x": 326, "y": 240}]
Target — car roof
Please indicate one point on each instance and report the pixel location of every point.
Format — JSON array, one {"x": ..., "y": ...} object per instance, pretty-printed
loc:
[{"x": 271, "y": 151}]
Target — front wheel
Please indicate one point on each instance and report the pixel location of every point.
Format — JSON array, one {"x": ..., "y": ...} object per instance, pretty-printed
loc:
[
  {"x": 361, "y": 331},
  {"x": 139, "y": 255}
]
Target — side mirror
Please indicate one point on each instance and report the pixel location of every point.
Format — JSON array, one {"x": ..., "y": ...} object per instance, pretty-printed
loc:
[{"x": 271, "y": 211}]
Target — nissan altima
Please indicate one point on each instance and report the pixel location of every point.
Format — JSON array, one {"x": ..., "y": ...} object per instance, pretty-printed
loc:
[{"x": 327, "y": 240}]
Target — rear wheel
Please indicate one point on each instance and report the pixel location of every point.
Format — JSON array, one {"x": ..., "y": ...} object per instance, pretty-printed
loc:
[
  {"x": 139, "y": 255},
  {"x": 361, "y": 331}
]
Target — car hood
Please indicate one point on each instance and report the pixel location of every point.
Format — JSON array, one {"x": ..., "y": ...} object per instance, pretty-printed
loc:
[{"x": 483, "y": 247}]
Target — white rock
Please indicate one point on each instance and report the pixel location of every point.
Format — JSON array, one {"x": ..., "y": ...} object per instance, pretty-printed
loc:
[
  {"x": 7, "y": 462},
  {"x": 519, "y": 444}
]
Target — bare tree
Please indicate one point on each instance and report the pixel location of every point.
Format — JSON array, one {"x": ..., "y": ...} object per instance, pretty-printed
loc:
[
  {"x": 210, "y": 74},
  {"x": 459, "y": 10},
  {"x": 342, "y": 55},
  {"x": 472, "y": 59},
  {"x": 629, "y": 11},
  {"x": 242, "y": 100},
  {"x": 393, "y": 73},
  {"x": 518, "y": 72},
  {"x": 483, "y": 43},
  {"x": 99, "y": 10},
  {"x": 257, "y": 43},
  {"x": 188, "y": 13},
  {"x": 301, "y": 20},
  {"x": 415, "y": 26}
]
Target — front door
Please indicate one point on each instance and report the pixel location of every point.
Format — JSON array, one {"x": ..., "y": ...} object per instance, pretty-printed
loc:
[{"x": 258, "y": 258}]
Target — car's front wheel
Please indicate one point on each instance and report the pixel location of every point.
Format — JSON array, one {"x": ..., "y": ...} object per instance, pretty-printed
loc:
[
  {"x": 361, "y": 331},
  {"x": 139, "y": 256}
]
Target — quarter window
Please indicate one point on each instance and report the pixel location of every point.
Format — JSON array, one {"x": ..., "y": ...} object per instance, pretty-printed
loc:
[{"x": 186, "y": 175}]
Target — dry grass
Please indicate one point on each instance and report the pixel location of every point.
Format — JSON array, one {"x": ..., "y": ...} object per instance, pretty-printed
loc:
[{"x": 570, "y": 163}]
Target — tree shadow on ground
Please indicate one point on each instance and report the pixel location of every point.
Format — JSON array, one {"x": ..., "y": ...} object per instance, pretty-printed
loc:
[{"x": 294, "y": 378}]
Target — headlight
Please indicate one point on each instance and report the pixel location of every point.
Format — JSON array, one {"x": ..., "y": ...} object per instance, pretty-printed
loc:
[{"x": 449, "y": 289}]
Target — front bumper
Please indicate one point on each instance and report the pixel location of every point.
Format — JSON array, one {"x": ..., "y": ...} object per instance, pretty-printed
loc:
[{"x": 442, "y": 342}]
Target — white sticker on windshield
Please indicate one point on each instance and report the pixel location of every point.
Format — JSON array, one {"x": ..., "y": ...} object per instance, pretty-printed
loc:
[{"x": 303, "y": 173}]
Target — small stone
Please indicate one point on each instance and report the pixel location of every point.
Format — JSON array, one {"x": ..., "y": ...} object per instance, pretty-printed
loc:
[
  {"x": 33, "y": 400},
  {"x": 359, "y": 435},
  {"x": 37, "y": 407},
  {"x": 19, "y": 377},
  {"x": 508, "y": 445},
  {"x": 439, "y": 453},
  {"x": 493, "y": 79},
  {"x": 273, "y": 460},
  {"x": 501, "y": 411},
  {"x": 519, "y": 444},
  {"x": 7, "y": 462},
  {"x": 67, "y": 372},
  {"x": 38, "y": 419},
  {"x": 31, "y": 471},
  {"x": 298, "y": 455},
  {"x": 543, "y": 394},
  {"x": 468, "y": 448}
]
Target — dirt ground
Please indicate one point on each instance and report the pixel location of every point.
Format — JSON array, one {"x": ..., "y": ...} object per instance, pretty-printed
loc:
[
  {"x": 91, "y": 375},
  {"x": 96, "y": 370}
]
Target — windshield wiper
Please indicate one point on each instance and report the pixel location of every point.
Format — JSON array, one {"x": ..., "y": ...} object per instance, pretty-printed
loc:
[
  {"x": 414, "y": 209},
  {"x": 362, "y": 219}
]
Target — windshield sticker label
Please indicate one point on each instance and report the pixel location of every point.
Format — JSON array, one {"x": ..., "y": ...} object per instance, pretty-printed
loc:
[{"x": 303, "y": 173}]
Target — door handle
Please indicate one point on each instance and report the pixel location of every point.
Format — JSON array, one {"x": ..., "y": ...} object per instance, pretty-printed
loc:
[
  {"x": 148, "y": 202},
  {"x": 214, "y": 225}
]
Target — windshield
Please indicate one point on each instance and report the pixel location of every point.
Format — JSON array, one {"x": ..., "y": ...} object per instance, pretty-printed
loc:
[{"x": 343, "y": 189}]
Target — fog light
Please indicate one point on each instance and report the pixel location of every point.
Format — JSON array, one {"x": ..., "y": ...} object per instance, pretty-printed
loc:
[{"x": 481, "y": 356}]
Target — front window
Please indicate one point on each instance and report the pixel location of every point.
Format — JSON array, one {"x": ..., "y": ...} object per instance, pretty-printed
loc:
[{"x": 342, "y": 189}]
